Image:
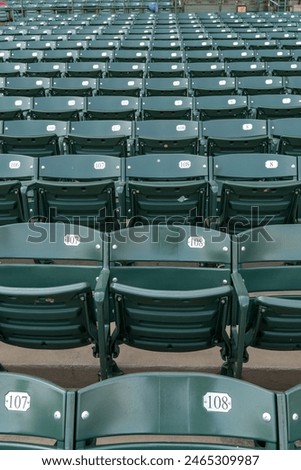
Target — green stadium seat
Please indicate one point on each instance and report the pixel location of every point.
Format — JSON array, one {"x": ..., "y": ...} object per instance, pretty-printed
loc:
[
  {"x": 17, "y": 172},
  {"x": 36, "y": 414},
  {"x": 65, "y": 108},
  {"x": 221, "y": 107},
  {"x": 81, "y": 189},
  {"x": 175, "y": 411},
  {"x": 159, "y": 304},
  {"x": 168, "y": 188},
  {"x": 275, "y": 106},
  {"x": 172, "y": 136},
  {"x": 234, "y": 135},
  {"x": 171, "y": 107},
  {"x": 266, "y": 266},
  {"x": 254, "y": 190},
  {"x": 106, "y": 137},
  {"x": 26, "y": 86},
  {"x": 51, "y": 284},
  {"x": 112, "y": 107},
  {"x": 33, "y": 137}
]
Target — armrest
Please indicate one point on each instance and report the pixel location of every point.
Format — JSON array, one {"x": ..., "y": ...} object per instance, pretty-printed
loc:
[
  {"x": 214, "y": 292},
  {"x": 70, "y": 289}
]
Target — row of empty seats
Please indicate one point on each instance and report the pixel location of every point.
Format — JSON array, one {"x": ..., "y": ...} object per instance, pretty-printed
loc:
[
  {"x": 43, "y": 137},
  {"x": 148, "y": 411},
  {"x": 85, "y": 82},
  {"x": 165, "y": 288},
  {"x": 132, "y": 108},
  {"x": 229, "y": 192}
]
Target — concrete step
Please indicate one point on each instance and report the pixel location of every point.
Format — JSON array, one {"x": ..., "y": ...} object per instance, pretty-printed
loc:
[{"x": 77, "y": 368}]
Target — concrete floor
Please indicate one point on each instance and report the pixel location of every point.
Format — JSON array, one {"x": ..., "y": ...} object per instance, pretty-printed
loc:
[{"x": 77, "y": 368}]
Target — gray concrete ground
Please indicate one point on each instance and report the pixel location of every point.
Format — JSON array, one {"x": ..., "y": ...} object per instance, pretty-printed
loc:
[{"x": 77, "y": 368}]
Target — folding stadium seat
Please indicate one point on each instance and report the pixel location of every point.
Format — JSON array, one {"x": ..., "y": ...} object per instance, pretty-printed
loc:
[
  {"x": 291, "y": 405},
  {"x": 220, "y": 107},
  {"x": 167, "y": 188},
  {"x": 172, "y": 136},
  {"x": 73, "y": 86},
  {"x": 95, "y": 55},
  {"x": 130, "y": 55},
  {"x": 11, "y": 69},
  {"x": 202, "y": 56},
  {"x": 103, "y": 44},
  {"x": 239, "y": 55},
  {"x": 205, "y": 86},
  {"x": 40, "y": 45},
  {"x": 17, "y": 172},
  {"x": 275, "y": 106},
  {"x": 162, "y": 289},
  {"x": 267, "y": 264},
  {"x": 70, "y": 43},
  {"x": 234, "y": 135},
  {"x": 293, "y": 84},
  {"x": 172, "y": 45},
  {"x": 12, "y": 45},
  {"x": 14, "y": 107},
  {"x": 166, "y": 69},
  {"x": 81, "y": 189},
  {"x": 26, "y": 86},
  {"x": 166, "y": 86},
  {"x": 284, "y": 68},
  {"x": 45, "y": 69},
  {"x": 112, "y": 107},
  {"x": 126, "y": 69},
  {"x": 262, "y": 44},
  {"x": 289, "y": 43},
  {"x": 60, "y": 55},
  {"x": 51, "y": 278},
  {"x": 286, "y": 135},
  {"x": 119, "y": 86},
  {"x": 112, "y": 137},
  {"x": 143, "y": 45},
  {"x": 245, "y": 68},
  {"x": 225, "y": 44},
  {"x": 253, "y": 190},
  {"x": 25, "y": 56},
  {"x": 261, "y": 85},
  {"x": 86, "y": 69},
  {"x": 37, "y": 414},
  {"x": 192, "y": 419},
  {"x": 34, "y": 138},
  {"x": 65, "y": 108},
  {"x": 206, "y": 69},
  {"x": 198, "y": 44},
  {"x": 272, "y": 55},
  {"x": 171, "y": 107}
]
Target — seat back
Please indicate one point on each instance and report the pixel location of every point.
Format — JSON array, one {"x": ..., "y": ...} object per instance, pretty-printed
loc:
[
  {"x": 81, "y": 189},
  {"x": 175, "y": 411},
  {"x": 162, "y": 135},
  {"x": 167, "y": 188},
  {"x": 164, "y": 282},
  {"x": 267, "y": 260},
  {"x": 34, "y": 138},
  {"x": 17, "y": 171},
  {"x": 286, "y": 136},
  {"x": 235, "y": 135},
  {"x": 171, "y": 107},
  {"x": 35, "y": 414},
  {"x": 108, "y": 137},
  {"x": 49, "y": 275},
  {"x": 253, "y": 190}
]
